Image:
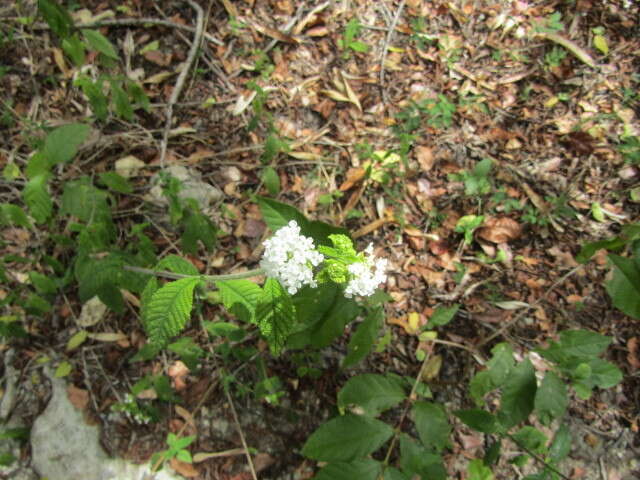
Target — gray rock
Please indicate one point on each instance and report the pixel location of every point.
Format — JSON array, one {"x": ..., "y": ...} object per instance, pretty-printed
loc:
[
  {"x": 192, "y": 187},
  {"x": 64, "y": 447}
]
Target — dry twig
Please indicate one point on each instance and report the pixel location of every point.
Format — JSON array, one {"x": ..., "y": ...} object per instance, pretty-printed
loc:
[{"x": 385, "y": 47}]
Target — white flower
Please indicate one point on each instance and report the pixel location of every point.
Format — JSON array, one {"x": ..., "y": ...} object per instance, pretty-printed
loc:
[
  {"x": 364, "y": 280},
  {"x": 290, "y": 257}
]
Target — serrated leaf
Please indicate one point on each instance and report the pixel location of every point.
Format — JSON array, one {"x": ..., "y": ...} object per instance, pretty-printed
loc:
[
  {"x": 177, "y": 264},
  {"x": 169, "y": 310},
  {"x": 479, "y": 386},
  {"x": 623, "y": 293},
  {"x": 479, "y": 420},
  {"x": 240, "y": 297},
  {"x": 13, "y": 215},
  {"x": 372, "y": 393},
  {"x": 363, "y": 339},
  {"x": 275, "y": 315},
  {"x": 432, "y": 424},
  {"x": 85, "y": 202},
  {"x": 576, "y": 344},
  {"x": 561, "y": 444},
  {"x": 416, "y": 460},
  {"x": 551, "y": 398},
  {"x": 518, "y": 395},
  {"x": 101, "y": 277},
  {"x": 43, "y": 284},
  {"x": 100, "y": 43},
  {"x": 115, "y": 182},
  {"x": 363, "y": 469},
  {"x": 62, "y": 143},
  {"x": 346, "y": 438},
  {"x": 37, "y": 198}
]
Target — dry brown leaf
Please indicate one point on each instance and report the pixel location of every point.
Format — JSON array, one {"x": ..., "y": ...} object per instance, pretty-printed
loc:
[
  {"x": 78, "y": 397},
  {"x": 186, "y": 415},
  {"x": 354, "y": 175},
  {"x": 158, "y": 77},
  {"x": 425, "y": 158},
  {"x": 184, "y": 469},
  {"x": 108, "y": 337},
  {"x": 353, "y": 98},
  {"x": 157, "y": 57},
  {"x": 500, "y": 230}
]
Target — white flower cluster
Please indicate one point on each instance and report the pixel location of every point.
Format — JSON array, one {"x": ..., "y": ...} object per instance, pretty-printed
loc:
[
  {"x": 364, "y": 280},
  {"x": 290, "y": 257}
]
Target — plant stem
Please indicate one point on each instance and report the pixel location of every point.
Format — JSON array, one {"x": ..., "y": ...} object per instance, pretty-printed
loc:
[
  {"x": 206, "y": 278},
  {"x": 537, "y": 457}
]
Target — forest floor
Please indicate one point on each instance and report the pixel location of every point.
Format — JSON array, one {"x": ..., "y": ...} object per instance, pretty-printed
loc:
[{"x": 547, "y": 90}]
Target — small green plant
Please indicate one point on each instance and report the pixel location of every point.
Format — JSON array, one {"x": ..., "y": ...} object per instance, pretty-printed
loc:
[
  {"x": 630, "y": 149},
  {"x": 624, "y": 285},
  {"x": 467, "y": 225},
  {"x": 476, "y": 182},
  {"x": 554, "y": 57},
  {"x": 177, "y": 448},
  {"x": 551, "y": 24},
  {"x": 349, "y": 39}
]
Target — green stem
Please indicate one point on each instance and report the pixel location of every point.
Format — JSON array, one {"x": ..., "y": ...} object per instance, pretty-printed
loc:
[
  {"x": 206, "y": 278},
  {"x": 537, "y": 457}
]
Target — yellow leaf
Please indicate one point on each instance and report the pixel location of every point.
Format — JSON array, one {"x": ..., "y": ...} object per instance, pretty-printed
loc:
[
  {"x": 432, "y": 368},
  {"x": 107, "y": 337},
  {"x": 337, "y": 96},
  {"x": 414, "y": 323},
  {"x": 601, "y": 44},
  {"x": 63, "y": 369},
  {"x": 76, "y": 340}
]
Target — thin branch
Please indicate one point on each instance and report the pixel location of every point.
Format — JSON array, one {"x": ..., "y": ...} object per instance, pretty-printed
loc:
[
  {"x": 385, "y": 47},
  {"x": 537, "y": 457},
  {"x": 181, "y": 78},
  {"x": 206, "y": 278},
  {"x": 123, "y": 22}
]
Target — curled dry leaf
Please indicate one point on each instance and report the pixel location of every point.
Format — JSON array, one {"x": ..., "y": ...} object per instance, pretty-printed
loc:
[
  {"x": 184, "y": 469},
  {"x": 178, "y": 371},
  {"x": 425, "y": 158},
  {"x": 500, "y": 230},
  {"x": 354, "y": 175}
]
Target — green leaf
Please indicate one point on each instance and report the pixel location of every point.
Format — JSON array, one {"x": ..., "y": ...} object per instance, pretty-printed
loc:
[
  {"x": 561, "y": 445},
  {"x": 177, "y": 264},
  {"x": 115, "y": 182},
  {"x": 100, "y": 43},
  {"x": 271, "y": 180},
  {"x": 500, "y": 364},
  {"x": 123, "y": 107},
  {"x": 277, "y": 215},
  {"x": 479, "y": 420},
  {"x": 56, "y": 16},
  {"x": 197, "y": 227},
  {"x": 392, "y": 473},
  {"x": 62, "y": 143},
  {"x": 372, "y": 393},
  {"x": 322, "y": 314},
  {"x": 363, "y": 469},
  {"x": 363, "y": 339},
  {"x": 442, "y": 315},
  {"x": 37, "y": 198},
  {"x": 76, "y": 340},
  {"x": 479, "y": 386},
  {"x": 518, "y": 395},
  {"x": 623, "y": 294},
  {"x": 578, "y": 344},
  {"x": 275, "y": 315},
  {"x": 225, "y": 330},
  {"x": 479, "y": 471},
  {"x": 189, "y": 352},
  {"x": 551, "y": 398},
  {"x": 432, "y": 424},
  {"x": 101, "y": 277},
  {"x": 531, "y": 438},
  {"x": 75, "y": 50},
  {"x": 416, "y": 460},
  {"x": 63, "y": 369},
  {"x": 346, "y": 438},
  {"x": 43, "y": 284},
  {"x": 240, "y": 297},
  {"x": 93, "y": 91},
  {"x": 629, "y": 269},
  {"x": 85, "y": 202},
  {"x": 601, "y": 44},
  {"x": 604, "y": 374},
  {"x": 169, "y": 310},
  {"x": 184, "y": 456},
  {"x": 492, "y": 454},
  {"x": 13, "y": 215}
]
